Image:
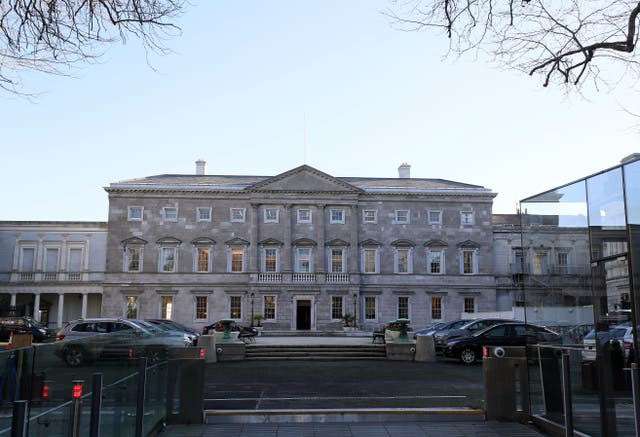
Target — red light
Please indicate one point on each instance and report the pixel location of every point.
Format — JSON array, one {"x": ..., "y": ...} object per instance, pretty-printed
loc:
[
  {"x": 130, "y": 353},
  {"x": 45, "y": 391},
  {"x": 77, "y": 391},
  {"x": 201, "y": 353},
  {"x": 485, "y": 352},
  {"x": 60, "y": 337}
]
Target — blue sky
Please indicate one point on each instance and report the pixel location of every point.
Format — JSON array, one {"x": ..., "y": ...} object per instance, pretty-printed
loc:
[{"x": 244, "y": 77}]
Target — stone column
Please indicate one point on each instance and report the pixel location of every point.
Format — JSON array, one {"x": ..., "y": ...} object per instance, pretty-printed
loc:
[
  {"x": 321, "y": 235},
  {"x": 253, "y": 239},
  {"x": 12, "y": 302},
  {"x": 36, "y": 306},
  {"x": 84, "y": 305},
  {"x": 286, "y": 250},
  {"x": 60, "y": 310}
]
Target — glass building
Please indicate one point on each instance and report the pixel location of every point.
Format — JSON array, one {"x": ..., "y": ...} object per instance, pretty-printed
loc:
[{"x": 578, "y": 267}]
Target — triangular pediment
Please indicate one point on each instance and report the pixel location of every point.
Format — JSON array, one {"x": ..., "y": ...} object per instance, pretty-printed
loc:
[
  {"x": 270, "y": 242},
  {"x": 336, "y": 242},
  {"x": 468, "y": 244},
  {"x": 370, "y": 242},
  {"x": 132, "y": 241},
  {"x": 435, "y": 243},
  {"x": 168, "y": 241},
  {"x": 237, "y": 241},
  {"x": 403, "y": 243},
  {"x": 304, "y": 179}
]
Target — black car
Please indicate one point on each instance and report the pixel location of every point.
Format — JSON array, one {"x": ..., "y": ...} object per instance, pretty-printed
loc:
[
  {"x": 441, "y": 326},
  {"x": 469, "y": 349},
  {"x": 24, "y": 325},
  {"x": 441, "y": 337}
]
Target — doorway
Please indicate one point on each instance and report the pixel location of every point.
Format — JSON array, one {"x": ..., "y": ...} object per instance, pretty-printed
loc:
[{"x": 303, "y": 314}]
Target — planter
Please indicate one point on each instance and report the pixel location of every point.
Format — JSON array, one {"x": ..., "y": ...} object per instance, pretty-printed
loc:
[
  {"x": 391, "y": 335},
  {"x": 219, "y": 336},
  {"x": 259, "y": 329}
]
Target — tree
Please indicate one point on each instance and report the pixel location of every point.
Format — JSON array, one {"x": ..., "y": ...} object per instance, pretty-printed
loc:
[
  {"x": 52, "y": 35},
  {"x": 562, "y": 41}
]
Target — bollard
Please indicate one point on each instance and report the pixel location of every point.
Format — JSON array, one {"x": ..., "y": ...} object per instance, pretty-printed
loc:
[
  {"x": 19, "y": 419},
  {"x": 96, "y": 405},
  {"x": 425, "y": 349}
]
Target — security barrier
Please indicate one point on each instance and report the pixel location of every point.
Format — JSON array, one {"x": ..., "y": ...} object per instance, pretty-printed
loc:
[{"x": 506, "y": 383}]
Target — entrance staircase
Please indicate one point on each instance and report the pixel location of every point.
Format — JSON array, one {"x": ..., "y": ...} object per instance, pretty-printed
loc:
[{"x": 315, "y": 352}]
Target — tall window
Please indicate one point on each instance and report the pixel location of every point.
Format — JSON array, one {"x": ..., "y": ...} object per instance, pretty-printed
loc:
[
  {"x": 204, "y": 259},
  {"x": 370, "y": 308},
  {"x": 304, "y": 215},
  {"x": 436, "y": 307},
  {"x": 468, "y": 262},
  {"x": 370, "y": 260},
  {"x": 131, "y": 307},
  {"x": 168, "y": 259},
  {"x": 166, "y": 309},
  {"x": 28, "y": 259},
  {"x": 270, "y": 260},
  {"x": 336, "y": 216},
  {"x": 435, "y": 262},
  {"x": 563, "y": 262},
  {"x": 74, "y": 264},
  {"x": 237, "y": 260},
  {"x": 269, "y": 310},
  {"x": 235, "y": 307},
  {"x": 51, "y": 260},
  {"x": 337, "y": 261},
  {"x": 303, "y": 260},
  {"x": 403, "y": 261},
  {"x": 201, "y": 307},
  {"x": 369, "y": 216},
  {"x": 133, "y": 259},
  {"x": 539, "y": 263},
  {"x": 469, "y": 304},
  {"x": 403, "y": 307},
  {"x": 336, "y": 307}
]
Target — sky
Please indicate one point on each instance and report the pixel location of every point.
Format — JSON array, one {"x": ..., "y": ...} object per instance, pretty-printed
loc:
[{"x": 259, "y": 88}]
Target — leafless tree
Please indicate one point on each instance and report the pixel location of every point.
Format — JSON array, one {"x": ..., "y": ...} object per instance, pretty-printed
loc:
[
  {"x": 562, "y": 41},
  {"x": 53, "y": 35}
]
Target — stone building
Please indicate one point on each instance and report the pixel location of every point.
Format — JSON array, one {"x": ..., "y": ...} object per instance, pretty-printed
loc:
[
  {"x": 52, "y": 270},
  {"x": 301, "y": 248}
]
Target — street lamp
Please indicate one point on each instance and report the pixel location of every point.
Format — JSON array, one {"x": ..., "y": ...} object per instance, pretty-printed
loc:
[
  {"x": 355, "y": 313},
  {"x": 252, "y": 296}
]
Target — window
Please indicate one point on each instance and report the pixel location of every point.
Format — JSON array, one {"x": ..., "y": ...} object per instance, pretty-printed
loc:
[
  {"x": 304, "y": 216},
  {"x": 434, "y": 217},
  {"x": 270, "y": 260},
  {"x": 203, "y": 261},
  {"x": 269, "y": 307},
  {"x": 27, "y": 263},
  {"x": 469, "y": 304},
  {"x": 403, "y": 261},
  {"x": 370, "y": 261},
  {"x": 303, "y": 260},
  {"x": 201, "y": 307},
  {"x": 337, "y": 259},
  {"x": 166, "y": 307},
  {"x": 235, "y": 307},
  {"x": 336, "y": 307},
  {"x": 51, "y": 260},
  {"x": 402, "y": 216},
  {"x": 403, "y": 307},
  {"x": 271, "y": 215},
  {"x": 75, "y": 261},
  {"x": 520, "y": 265},
  {"x": 539, "y": 263},
  {"x": 131, "y": 307},
  {"x": 563, "y": 262},
  {"x": 133, "y": 259},
  {"x": 466, "y": 217},
  {"x": 134, "y": 213},
  {"x": 370, "y": 308},
  {"x": 468, "y": 262},
  {"x": 336, "y": 216},
  {"x": 170, "y": 214},
  {"x": 167, "y": 259},
  {"x": 203, "y": 214},
  {"x": 237, "y": 215},
  {"x": 236, "y": 260},
  {"x": 369, "y": 216},
  {"x": 436, "y": 307},
  {"x": 435, "y": 261}
]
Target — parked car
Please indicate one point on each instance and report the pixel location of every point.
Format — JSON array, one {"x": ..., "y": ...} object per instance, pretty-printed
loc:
[
  {"x": 24, "y": 325},
  {"x": 177, "y": 327},
  {"x": 161, "y": 328},
  {"x": 469, "y": 349},
  {"x": 469, "y": 328},
  {"x": 86, "y": 340},
  {"x": 621, "y": 333},
  {"x": 433, "y": 329}
]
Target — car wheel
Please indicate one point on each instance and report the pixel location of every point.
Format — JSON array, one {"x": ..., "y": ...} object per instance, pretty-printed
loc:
[
  {"x": 468, "y": 356},
  {"x": 74, "y": 356}
]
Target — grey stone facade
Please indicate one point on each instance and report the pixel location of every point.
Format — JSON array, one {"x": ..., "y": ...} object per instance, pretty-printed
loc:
[{"x": 308, "y": 247}]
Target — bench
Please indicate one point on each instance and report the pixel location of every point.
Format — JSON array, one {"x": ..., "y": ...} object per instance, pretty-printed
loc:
[{"x": 378, "y": 334}]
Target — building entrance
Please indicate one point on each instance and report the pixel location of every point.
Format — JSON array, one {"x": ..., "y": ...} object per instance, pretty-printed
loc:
[{"x": 303, "y": 314}]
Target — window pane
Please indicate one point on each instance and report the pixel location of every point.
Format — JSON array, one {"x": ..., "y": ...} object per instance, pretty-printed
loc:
[
  {"x": 28, "y": 256},
  {"x": 269, "y": 312},
  {"x": 201, "y": 307},
  {"x": 467, "y": 261},
  {"x": 51, "y": 261},
  {"x": 403, "y": 307},
  {"x": 133, "y": 259},
  {"x": 370, "y": 260},
  {"x": 370, "y": 308},
  {"x": 304, "y": 260},
  {"x": 236, "y": 260},
  {"x": 336, "y": 260},
  {"x": 270, "y": 260},
  {"x": 168, "y": 259},
  {"x": 75, "y": 260},
  {"x": 236, "y": 307},
  {"x": 436, "y": 307},
  {"x": 435, "y": 262},
  {"x": 336, "y": 307},
  {"x": 203, "y": 259},
  {"x": 132, "y": 307},
  {"x": 167, "y": 307},
  {"x": 469, "y": 305},
  {"x": 403, "y": 261}
]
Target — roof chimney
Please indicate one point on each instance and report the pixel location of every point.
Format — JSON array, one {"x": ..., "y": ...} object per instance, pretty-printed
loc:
[
  {"x": 404, "y": 171},
  {"x": 201, "y": 167},
  {"x": 630, "y": 158}
]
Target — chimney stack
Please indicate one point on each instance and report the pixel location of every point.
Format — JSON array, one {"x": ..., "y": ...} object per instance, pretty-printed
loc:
[
  {"x": 630, "y": 158},
  {"x": 404, "y": 171},
  {"x": 201, "y": 167}
]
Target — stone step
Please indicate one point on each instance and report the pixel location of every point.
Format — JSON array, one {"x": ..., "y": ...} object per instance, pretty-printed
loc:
[{"x": 314, "y": 352}]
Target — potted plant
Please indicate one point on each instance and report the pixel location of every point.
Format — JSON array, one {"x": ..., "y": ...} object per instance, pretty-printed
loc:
[
  {"x": 348, "y": 322},
  {"x": 258, "y": 318}
]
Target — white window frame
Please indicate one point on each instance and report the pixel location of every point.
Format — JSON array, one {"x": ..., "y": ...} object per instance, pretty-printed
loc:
[
  {"x": 396, "y": 260},
  {"x": 237, "y": 215},
  {"x": 195, "y": 307},
  {"x": 171, "y": 311},
  {"x": 373, "y": 220},
  {"x": 166, "y": 214},
  {"x": 45, "y": 266},
  {"x": 298, "y": 259},
  {"x": 474, "y": 252},
  {"x": 342, "y": 312},
  {"x": 341, "y": 220},
  {"x": 434, "y": 222},
  {"x": 236, "y": 296},
  {"x": 399, "y": 219},
  {"x": 196, "y": 260},
  {"x": 375, "y": 308},
  {"x": 269, "y": 217},
  {"x": 34, "y": 262},
  {"x": 83, "y": 256},
  {"x": 442, "y": 261},
  {"x": 161, "y": 259},
  {"x": 263, "y": 259},
  {"x": 125, "y": 310},
  {"x": 125, "y": 267},
  {"x": 467, "y": 218},
  {"x": 199, "y": 212},
  {"x": 441, "y": 300},
  {"x": 301, "y": 219},
  {"x": 230, "y": 259},
  {"x": 134, "y": 218},
  {"x": 408, "y": 306},
  {"x": 330, "y": 259},
  {"x": 275, "y": 307},
  {"x": 376, "y": 252}
]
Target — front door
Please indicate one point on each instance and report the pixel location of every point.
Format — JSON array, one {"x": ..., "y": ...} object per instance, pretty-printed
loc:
[{"x": 303, "y": 314}]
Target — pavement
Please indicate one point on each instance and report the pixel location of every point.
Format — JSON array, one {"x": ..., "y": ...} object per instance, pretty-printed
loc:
[{"x": 244, "y": 398}]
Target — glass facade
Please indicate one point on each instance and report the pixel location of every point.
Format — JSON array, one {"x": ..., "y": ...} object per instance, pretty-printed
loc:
[{"x": 577, "y": 267}]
